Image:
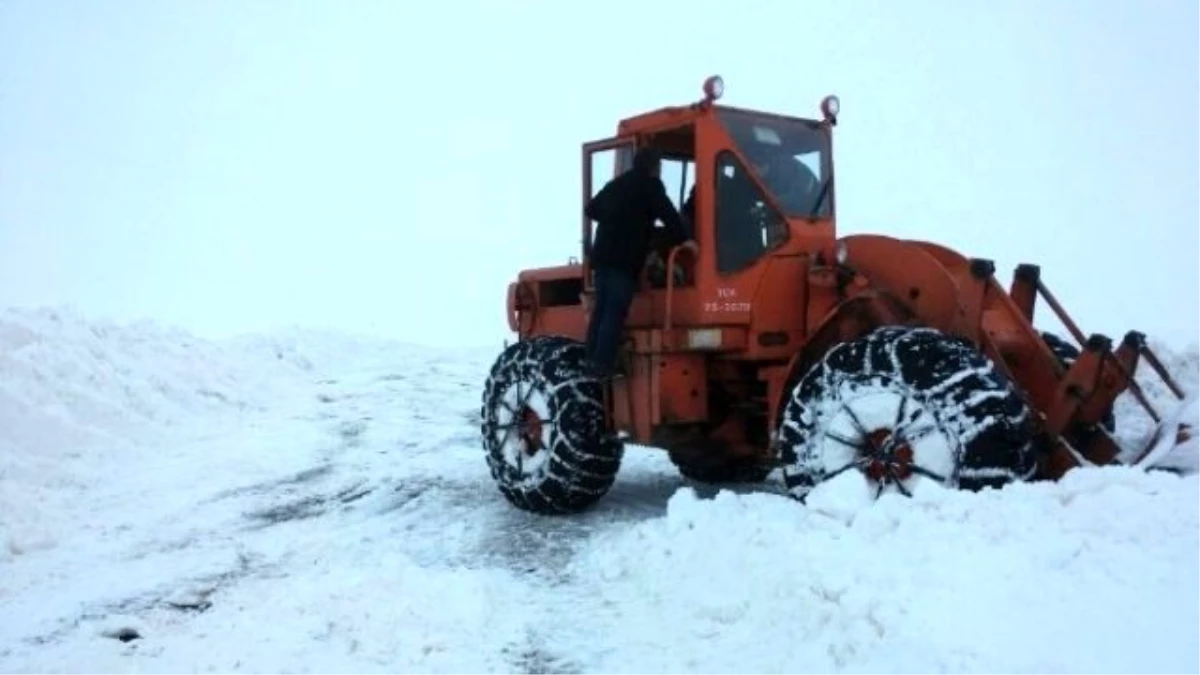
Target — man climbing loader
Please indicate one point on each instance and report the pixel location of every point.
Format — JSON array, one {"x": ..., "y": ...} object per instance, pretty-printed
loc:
[{"x": 625, "y": 211}]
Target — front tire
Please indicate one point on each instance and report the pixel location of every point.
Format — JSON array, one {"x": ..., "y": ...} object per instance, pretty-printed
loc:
[
  {"x": 904, "y": 405},
  {"x": 543, "y": 427}
]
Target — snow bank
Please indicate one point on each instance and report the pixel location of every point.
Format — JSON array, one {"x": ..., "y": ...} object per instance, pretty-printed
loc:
[
  {"x": 104, "y": 379},
  {"x": 1135, "y": 426},
  {"x": 1167, "y": 451},
  {"x": 77, "y": 394},
  {"x": 1097, "y": 573},
  {"x": 81, "y": 398}
]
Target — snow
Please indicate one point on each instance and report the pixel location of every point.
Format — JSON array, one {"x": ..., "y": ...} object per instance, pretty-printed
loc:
[
  {"x": 315, "y": 502},
  {"x": 1010, "y": 581},
  {"x": 1167, "y": 450}
]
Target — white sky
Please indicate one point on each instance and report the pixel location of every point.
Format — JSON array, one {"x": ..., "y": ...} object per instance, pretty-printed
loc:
[{"x": 388, "y": 166}]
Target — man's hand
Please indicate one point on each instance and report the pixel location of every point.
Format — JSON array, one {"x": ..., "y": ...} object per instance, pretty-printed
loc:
[{"x": 677, "y": 270}]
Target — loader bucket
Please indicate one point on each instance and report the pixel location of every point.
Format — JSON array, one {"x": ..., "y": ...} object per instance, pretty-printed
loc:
[{"x": 1173, "y": 446}]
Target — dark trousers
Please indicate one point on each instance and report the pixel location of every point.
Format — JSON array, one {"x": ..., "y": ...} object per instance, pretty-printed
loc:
[{"x": 614, "y": 295}]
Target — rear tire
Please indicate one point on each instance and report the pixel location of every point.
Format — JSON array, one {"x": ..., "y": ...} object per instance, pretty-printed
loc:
[
  {"x": 902, "y": 405},
  {"x": 543, "y": 427}
]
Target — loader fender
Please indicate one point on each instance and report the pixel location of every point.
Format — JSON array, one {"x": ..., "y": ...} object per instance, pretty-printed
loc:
[
  {"x": 913, "y": 275},
  {"x": 907, "y": 285}
]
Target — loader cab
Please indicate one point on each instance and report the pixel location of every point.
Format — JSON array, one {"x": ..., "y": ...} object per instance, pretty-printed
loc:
[
  {"x": 753, "y": 183},
  {"x": 772, "y": 185}
]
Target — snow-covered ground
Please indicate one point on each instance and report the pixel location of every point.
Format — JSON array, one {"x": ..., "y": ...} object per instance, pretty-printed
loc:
[{"x": 313, "y": 502}]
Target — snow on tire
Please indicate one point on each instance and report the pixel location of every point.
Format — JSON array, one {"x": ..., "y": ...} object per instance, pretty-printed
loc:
[
  {"x": 543, "y": 428},
  {"x": 901, "y": 405}
]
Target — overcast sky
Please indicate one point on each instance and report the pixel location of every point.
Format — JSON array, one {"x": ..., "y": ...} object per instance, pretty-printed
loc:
[{"x": 229, "y": 166}]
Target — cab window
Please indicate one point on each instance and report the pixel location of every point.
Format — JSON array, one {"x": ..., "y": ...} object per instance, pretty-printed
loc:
[{"x": 747, "y": 226}]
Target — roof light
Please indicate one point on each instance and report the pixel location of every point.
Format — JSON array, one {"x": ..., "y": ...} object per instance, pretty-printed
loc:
[
  {"x": 830, "y": 107},
  {"x": 714, "y": 88}
]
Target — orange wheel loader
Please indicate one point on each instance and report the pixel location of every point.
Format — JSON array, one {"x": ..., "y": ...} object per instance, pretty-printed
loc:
[{"x": 779, "y": 345}]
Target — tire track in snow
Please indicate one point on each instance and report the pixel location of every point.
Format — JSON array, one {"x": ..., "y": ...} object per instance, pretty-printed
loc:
[{"x": 426, "y": 474}]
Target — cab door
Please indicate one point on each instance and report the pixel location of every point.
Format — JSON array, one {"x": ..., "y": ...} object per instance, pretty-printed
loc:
[{"x": 602, "y": 161}]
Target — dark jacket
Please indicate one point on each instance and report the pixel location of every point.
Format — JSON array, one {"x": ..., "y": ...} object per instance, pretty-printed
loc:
[{"x": 625, "y": 211}]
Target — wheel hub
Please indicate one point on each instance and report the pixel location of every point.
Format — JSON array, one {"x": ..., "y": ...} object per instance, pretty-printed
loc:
[
  {"x": 889, "y": 459},
  {"x": 521, "y": 420},
  {"x": 529, "y": 425}
]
